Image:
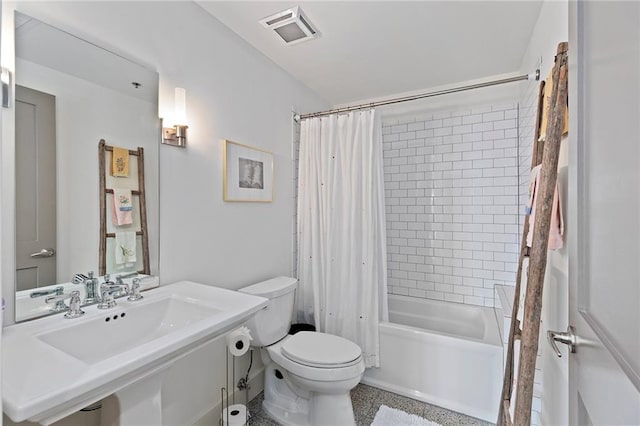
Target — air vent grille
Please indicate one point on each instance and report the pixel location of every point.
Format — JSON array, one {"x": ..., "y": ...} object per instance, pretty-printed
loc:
[
  {"x": 280, "y": 19},
  {"x": 291, "y": 25},
  {"x": 306, "y": 24},
  {"x": 290, "y": 32}
]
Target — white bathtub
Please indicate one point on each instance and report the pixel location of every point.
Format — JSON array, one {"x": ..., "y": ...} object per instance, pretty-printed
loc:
[{"x": 446, "y": 354}]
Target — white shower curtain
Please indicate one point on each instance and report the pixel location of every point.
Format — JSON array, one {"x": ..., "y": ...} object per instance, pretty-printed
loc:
[{"x": 341, "y": 229}]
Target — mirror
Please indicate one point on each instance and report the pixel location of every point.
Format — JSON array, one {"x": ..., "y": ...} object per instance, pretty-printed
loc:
[{"x": 70, "y": 94}]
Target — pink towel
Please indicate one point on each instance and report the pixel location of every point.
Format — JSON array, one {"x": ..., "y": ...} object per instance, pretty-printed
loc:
[
  {"x": 122, "y": 207},
  {"x": 557, "y": 223}
]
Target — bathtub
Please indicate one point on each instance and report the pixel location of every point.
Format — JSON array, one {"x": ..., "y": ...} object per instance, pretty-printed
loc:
[{"x": 446, "y": 354}]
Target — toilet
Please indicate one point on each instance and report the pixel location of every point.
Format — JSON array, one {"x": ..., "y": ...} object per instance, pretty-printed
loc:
[{"x": 308, "y": 375}]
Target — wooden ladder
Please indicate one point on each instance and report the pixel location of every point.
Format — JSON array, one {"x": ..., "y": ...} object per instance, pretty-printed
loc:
[
  {"x": 103, "y": 148},
  {"x": 547, "y": 155}
]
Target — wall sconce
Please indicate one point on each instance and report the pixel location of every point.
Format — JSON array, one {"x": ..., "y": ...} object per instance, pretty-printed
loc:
[{"x": 177, "y": 135}]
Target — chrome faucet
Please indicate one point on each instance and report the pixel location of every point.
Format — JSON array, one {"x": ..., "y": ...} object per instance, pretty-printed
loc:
[
  {"x": 107, "y": 279},
  {"x": 119, "y": 288},
  {"x": 75, "y": 304},
  {"x": 73, "y": 311},
  {"x": 109, "y": 291},
  {"x": 57, "y": 291},
  {"x": 134, "y": 292},
  {"x": 129, "y": 275},
  {"x": 59, "y": 299},
  {"x": 108, "y": 301},
  {"x": 91, "y": 286}
]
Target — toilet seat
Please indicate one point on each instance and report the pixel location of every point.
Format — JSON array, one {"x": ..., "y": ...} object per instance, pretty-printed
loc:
[
  {"x": 321, "y": 350},
  {"x": 326, "y": 373}
]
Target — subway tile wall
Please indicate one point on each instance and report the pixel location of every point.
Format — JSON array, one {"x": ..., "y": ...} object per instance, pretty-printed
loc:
[
  {"x": 452, "y": 194},
  {"x": 526, "y": 125}
]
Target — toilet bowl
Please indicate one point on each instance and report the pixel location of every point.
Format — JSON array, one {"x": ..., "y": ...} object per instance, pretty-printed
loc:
[
  {"x": 308, "y": 376},
  {"x": 323, "y": 379}
]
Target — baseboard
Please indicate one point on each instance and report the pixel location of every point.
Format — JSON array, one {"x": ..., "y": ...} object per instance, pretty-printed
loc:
[{"x": 212, "y": 416}]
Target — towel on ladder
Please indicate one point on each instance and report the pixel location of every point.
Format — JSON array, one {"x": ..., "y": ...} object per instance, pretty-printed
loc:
[
  {"x": 125, "y": 248},
  {"x": 546, "y": 107},
  {"x": 120, "y": 162},
  {"x": 122, "y": 207}
]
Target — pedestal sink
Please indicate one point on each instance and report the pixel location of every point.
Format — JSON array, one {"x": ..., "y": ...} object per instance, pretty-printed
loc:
[{"x": 52, "y": 367}]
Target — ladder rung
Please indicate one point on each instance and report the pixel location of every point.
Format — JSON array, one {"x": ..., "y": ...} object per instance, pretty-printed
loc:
[
  {"x": 113, "y": 235},
  {"x": 133, "y": 191}
]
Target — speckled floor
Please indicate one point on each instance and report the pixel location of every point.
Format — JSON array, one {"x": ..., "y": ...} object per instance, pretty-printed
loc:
[{"x": 366, "y": 402}]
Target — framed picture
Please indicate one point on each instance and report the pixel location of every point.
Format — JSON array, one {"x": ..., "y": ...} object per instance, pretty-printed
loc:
[{"x": 248, "y": 173}]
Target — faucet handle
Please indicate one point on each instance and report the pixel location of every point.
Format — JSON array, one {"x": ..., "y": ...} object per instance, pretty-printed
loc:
[
  {"x": 134, "y": 291},
  {"x": 108, "y": 301},
  {"x": 57, "y": 291},
  {"x": 79, "y": 278},
  {"x": 58, "y": 299},
  {"x": 75, "y": 310}
]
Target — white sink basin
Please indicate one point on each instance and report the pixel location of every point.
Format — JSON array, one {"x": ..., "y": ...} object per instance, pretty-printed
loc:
[
  {"x": 51, "y": 367},
  {"x": 102, "y": 338}
]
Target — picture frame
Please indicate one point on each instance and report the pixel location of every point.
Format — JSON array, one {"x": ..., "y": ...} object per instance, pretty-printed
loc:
[{"x": 247, "y": 173}]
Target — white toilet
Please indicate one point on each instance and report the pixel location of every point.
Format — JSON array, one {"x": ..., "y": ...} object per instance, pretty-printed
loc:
[{"x": 308, "y": 375}]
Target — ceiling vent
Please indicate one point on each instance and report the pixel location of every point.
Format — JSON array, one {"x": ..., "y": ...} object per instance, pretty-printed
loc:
[{"x": 291, "y": 25}]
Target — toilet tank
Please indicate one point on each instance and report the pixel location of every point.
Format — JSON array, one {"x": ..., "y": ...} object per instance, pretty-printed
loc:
[{"x": 272, "y": 323}]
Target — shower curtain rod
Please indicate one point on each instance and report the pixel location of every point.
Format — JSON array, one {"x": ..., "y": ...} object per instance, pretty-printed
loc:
[{"x": 533, "y": 76}]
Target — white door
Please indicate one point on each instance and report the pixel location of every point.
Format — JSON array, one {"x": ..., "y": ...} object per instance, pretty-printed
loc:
[
  {"x": 604, "y": 212},
  {"x": 35, "y": 189}
]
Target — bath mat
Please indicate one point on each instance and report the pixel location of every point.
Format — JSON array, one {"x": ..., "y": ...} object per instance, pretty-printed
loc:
[{"x": 391, "y": 417}]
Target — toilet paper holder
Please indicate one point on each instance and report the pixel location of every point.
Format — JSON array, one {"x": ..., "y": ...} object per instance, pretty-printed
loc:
[{"x": 238, "y": 343}]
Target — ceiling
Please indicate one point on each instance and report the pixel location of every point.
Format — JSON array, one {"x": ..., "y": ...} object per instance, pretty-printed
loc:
[
  {"x": 50, "y": 47},
  {"x": 372, "y": 49}
]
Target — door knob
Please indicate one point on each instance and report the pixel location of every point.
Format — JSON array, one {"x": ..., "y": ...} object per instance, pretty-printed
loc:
[
  {"x": 5, "y": 87},
  {"x": 47, "y": 252},
  {"x": 568, "y": 338}
]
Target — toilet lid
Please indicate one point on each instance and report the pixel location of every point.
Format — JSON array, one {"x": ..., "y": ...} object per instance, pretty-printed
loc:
[{"x": 320, "y": 349}]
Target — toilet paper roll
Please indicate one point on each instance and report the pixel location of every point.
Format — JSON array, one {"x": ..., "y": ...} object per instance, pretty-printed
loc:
[
  {"x": 239, "y": 341},
  {"x": 237, "y": 415}
]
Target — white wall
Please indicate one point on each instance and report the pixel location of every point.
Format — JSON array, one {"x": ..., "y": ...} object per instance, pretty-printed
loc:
[
  {"x": 233, "y": 92},
  {"x": 551, "y": 389}
]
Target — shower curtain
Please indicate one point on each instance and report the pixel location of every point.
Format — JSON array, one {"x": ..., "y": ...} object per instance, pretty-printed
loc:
[{"x": 341, "y": 229}]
